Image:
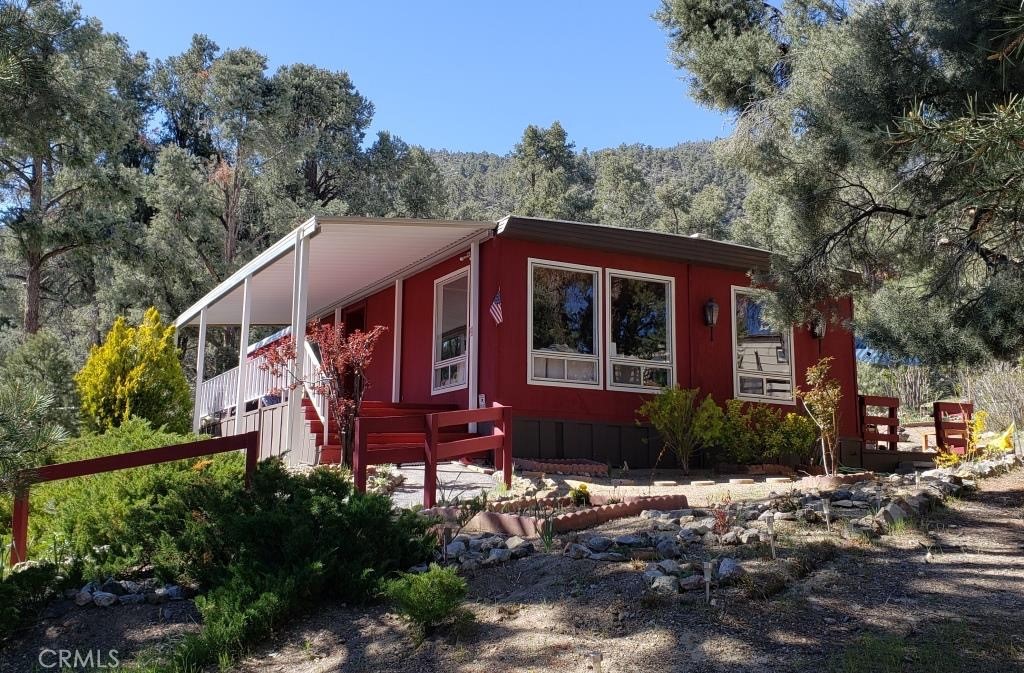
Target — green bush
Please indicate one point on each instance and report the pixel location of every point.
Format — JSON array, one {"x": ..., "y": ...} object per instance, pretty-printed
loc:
[
  {"x": 135, "y": 372},
  {"x": 41, "y": 362},
  {"x": 427, "y": 599},
  {"x": 22, "y": 595},
  {"x": 685, "y": 425},
  {"x": 747, "y": 432}
]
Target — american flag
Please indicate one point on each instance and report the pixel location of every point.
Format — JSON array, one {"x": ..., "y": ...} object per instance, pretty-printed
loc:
[{"x": 496, "y": 308}]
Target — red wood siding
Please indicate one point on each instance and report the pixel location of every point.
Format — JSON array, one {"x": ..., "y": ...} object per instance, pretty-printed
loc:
[{"x": 380, "y": 310}]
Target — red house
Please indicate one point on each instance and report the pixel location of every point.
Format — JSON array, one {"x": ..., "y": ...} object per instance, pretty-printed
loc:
[{"x": 571, "y": 325}]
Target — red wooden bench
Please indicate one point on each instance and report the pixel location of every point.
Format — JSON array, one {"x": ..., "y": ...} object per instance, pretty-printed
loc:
[
  {"x": 951, "y": 425},
  {"x": 430, "y": 439}
]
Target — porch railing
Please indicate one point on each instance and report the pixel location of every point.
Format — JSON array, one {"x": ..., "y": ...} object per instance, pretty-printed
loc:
[{"x": 219, "y": 393}]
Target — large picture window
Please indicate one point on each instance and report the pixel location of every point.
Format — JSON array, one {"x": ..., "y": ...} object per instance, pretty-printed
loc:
[
  {"x": 762, "y": 355},
  {"x": 564, "y": 324},
  {"x": 451, "y": 336},
  {"x": 639, "y": 331}
]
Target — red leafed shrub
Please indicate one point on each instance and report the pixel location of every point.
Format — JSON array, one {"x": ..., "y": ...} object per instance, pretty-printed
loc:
[{"x": 341, "y": 378}]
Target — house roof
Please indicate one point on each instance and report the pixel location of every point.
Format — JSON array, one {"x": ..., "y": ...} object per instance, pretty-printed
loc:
[
  {"x": 349, "y": 258},
  {"x": 676, "y": 247}
]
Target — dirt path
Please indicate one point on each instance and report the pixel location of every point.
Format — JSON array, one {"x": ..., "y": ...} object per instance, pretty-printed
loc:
[{"x": 881, "y": 607}]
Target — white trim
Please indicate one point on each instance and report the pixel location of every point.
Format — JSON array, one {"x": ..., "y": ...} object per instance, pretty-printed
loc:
[
  {"x": 200, "y": 369},
  {"x": 597, "y": 358},
  {"x": 296, "y": 425},
  {"x": 278, "y": 249},
  {"x": 396, "y": 336},
  {"x": 243, "y": 354},
  {"x": 670, "y": 335},
  {"x": 474, "y": 332},
  {"x": 734, "y": 289},
  {"x": 464, "y": 358}
]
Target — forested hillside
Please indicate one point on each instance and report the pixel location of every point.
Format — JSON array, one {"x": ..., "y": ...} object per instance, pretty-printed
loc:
[{"x": 687, "y": 188}]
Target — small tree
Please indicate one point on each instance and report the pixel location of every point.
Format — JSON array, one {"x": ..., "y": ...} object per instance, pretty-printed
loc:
[
  {"x": 685, "y": 426},
  {"x": 821, "y": 402},
  {"x": 135, "y": 372},
  {"x": 28, "y": 434},
  {"x": 341, "y": 378}
]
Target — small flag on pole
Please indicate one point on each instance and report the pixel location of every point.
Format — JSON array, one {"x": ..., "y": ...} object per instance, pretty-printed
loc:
[{"x": 496, "y": 308}]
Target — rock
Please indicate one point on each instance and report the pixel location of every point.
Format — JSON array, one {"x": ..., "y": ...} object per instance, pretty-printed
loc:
[
  {"x": 629, "y": 540},
  {"x": 90, "y": 587},
  {"x": 709, "y": 539},
  {"x": 469, "y": 565},
  {"x": 729, "y": 570},
  {"x": 692, "y": 583},
  {"x": 132, "y": 599},
  {"x": 750, "y": 536},
  {"x": 666, "y": 525},
  {"x": 174, "y": 592},
  {"x": 840, "y": 495},
  {"x": 650, "y": 514},
  {"x": 668, "y": 549},
  {"x": 699, "y": 527},
  {"x": 785, "y": 516},
  {"x": 847, "y": 502},
  {"x": 514, "y": 542},
  {"x": 669, "y": 567},
  {"x": 455, "y": 549},
  {"x": 651, "y": 575},
  {"x": 689, "y": 537},
  {"x": 599, "y": 543},
  {"x": 131, "y": 587},
  {"x": 83, "y": 598},
  {"x": 750, "y": 515},
  {"x": 104, "y": 599},
  {"x": 577, "y": 551},
  {"x": 608, "y": 556},
  {"x": 765, "y": 514},
  {"x": 666, "y": 584},
  {"x": 891, "y": 513},
  {"x": 679, "y": 513},
  {"x": 489, "y": 543},
  {"x": 523, "y": 550},
  {"x": 730, "y": 538},
  {"x": 497, "y": 555},
  {"x": 112, "y": 587}
]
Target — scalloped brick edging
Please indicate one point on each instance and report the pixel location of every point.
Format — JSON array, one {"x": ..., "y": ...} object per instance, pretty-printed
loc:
[
  {"x": 530, "y": 526},
  {"x": 562, "y": 466}
]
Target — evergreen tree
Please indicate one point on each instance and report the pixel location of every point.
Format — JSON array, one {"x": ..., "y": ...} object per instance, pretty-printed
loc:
[
  {"x": 624, "y": 196},
  {"x": 553, "y": 180}
]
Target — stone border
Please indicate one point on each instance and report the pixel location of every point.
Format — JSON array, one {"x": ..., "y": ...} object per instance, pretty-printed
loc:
[
  {"x": 562, "y": 466},
  {"x": 825, "y": 483},
  {"x": 530, "y": 526}
]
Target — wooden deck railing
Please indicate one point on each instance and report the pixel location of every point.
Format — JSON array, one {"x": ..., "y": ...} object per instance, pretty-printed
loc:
[
  {"x": 869, "y": 423},
  {"x": 424, "y": 439},
  {"x": 248, "y": 442}
]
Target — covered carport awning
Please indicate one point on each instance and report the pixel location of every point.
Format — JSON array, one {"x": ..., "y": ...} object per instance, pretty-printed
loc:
[{"x": 349, "y": 258}]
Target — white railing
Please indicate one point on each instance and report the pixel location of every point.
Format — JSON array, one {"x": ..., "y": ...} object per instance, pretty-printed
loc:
[
  {"x": 312, "y": 372},
  {"x": 220, "y": 392}
]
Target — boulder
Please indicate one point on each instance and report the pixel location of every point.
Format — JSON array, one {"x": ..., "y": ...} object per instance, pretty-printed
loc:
[
  {"x": 83, "y": 598},
  {"x": 731, "y": 538},
  {"x": 666, "y": 584},
  {"x": 650, "y": 514},
  {"x": 651, "y": 575},
  {"x": 523, "y": 550},
  {"x": 577, "y": 551},
  {"x": 104, "y": 599},
  {"x": 750, "y": 536},
  {"x": 669, "y": 567},
  {"x": 692, "y": 583},
  {"x": 629, "y": 540},
  {"x": 891, "y": 513},
  {"x": 132, "y": 599},
  {"x": 599, "y": 543},
  {"x": 497, "y": 555},
  {"x": 156, "y": 597},
  {"x": 668, "y": 549},
  {"x": 612, "y": 556},
  {"x": 729, "y": 570},
  {"x": 455, "y": 549},
  {"x": 112, "y": 587}
]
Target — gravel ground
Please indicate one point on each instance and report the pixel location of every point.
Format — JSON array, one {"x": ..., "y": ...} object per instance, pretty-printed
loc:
[{"x": 549, "y": 613}]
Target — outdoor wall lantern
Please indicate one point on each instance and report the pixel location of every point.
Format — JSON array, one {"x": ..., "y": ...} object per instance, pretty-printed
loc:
[
  {"x": 711, "y": 315},
  {"x": 818, "y": 327}
]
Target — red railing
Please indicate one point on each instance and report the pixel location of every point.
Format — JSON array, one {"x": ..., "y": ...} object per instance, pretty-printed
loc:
[
  {"x": 249, "y": 442},
  {"x": 869, "y": 423},
  {"x": 951, "y": 420},
  {"x": 415, "y": 439}
]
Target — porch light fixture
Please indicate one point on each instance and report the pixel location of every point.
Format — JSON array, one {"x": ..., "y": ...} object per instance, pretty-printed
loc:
[{"x": 711, "y": 315}]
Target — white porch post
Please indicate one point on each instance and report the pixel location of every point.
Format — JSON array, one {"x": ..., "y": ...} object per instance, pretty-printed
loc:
[
  {"x": 396, "y": 335},
  {"x": 200, "y": 366},
  {"x": 337, "y": 318},
  {"x": 299, "y": 297},
  {"x": 474, "y": 330},
  {"x": 243, "y": 357}
]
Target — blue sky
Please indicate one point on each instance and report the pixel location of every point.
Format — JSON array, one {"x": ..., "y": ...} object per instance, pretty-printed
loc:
[{"x": 457, "y": 74}]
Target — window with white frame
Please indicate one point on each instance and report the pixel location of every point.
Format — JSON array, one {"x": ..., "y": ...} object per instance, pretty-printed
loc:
[
  {"x": 762, "y": 355},
  {"x": 451, "y": 336},
  {"x": 564, "y": 324},
  {"x": 639, "y": 330}
]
